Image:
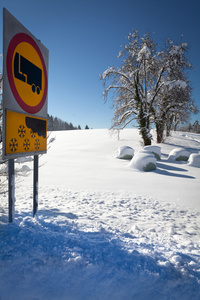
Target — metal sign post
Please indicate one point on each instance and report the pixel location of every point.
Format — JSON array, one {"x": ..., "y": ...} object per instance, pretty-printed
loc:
[
  {"x": 35, "y": 186},
  {"x": 11, "y": 189}
]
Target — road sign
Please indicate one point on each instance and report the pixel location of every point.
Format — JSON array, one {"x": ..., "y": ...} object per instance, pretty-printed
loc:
[
  {"x": 25, "y": 85},
  {"x": 28, "y": 134},
  {"x": 27, "y": 73},
  {"x": 25, "y": 68}
]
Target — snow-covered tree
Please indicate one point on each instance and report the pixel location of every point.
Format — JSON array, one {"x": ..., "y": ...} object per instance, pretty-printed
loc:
[
  {"x": 173, "y": 103},
  {"x": 130, "y": 84},
  {"x": 196, "y": 127},
  {"x": 150, "y": 86}
]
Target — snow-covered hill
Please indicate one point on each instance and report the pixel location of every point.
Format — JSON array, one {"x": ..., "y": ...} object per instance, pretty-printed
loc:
[{"x": 104, "y": 230}]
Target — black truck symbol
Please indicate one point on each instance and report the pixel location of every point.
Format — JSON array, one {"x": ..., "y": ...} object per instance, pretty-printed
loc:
[{"x": 27, "y": 72}]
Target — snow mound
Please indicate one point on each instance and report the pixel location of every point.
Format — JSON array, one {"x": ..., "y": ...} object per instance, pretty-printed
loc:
[
  {"x": 194, "y": 160},
  {"x": 25, "y": 169},
  {"x": 125, "y": 152},
  {"x": 144, "y": 161},
  {"x": 179, "y": 154},
  {"x": 156, "y": 150}
]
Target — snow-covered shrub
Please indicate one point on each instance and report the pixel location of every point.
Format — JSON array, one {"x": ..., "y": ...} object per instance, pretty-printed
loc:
[
  {"x": 143, "y": 161},
  {"x": 194, "y": 160},
  {"x": 179, "y": 154},
  {"x": 156, "y": 150},
  {"x": 25, "y": 169},
  {"x": 125, "y": 152}
]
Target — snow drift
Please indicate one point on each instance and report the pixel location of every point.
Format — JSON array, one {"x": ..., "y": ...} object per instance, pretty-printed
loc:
[
  {"x": 104, "y": 230},
  {"x": 125, "y": 152},
  {"x": 179, "y": 154},
  {"x": 144, "y": 161},
  {"x": 194, "y": 160}
]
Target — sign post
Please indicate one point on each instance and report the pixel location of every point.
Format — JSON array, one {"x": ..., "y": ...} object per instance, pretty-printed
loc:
[
  {"x": 35, "y": 185},
  {"x": 11, "y": 189},
  {"x": 25, "y": 86}
]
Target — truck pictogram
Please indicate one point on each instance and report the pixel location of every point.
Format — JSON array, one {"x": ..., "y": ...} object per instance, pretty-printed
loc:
[{"x": 27, "y": 72}]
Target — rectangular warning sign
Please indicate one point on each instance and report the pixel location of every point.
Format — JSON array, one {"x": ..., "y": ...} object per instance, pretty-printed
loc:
[{"x": 25, "y": 135}]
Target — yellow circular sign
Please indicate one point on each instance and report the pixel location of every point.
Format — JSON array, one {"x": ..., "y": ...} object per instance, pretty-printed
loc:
[
  {"x": 26, "y": 64},
  {"x": 27, "y": 73}
]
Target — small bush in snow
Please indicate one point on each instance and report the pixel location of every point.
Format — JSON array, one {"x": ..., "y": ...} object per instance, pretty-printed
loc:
[
  {"x": 194, "y": 160},
  {"x": 125, "y": 152},
  {"x": 143, "y": 161},
  {"x": 156, "y": 150},
  {"x": 179, "y": 154}
]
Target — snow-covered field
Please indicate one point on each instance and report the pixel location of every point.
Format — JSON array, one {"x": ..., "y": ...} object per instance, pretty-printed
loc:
[{"x": 104, "y": 230}]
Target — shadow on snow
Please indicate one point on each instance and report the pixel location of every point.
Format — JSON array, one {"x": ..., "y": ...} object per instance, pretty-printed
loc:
[
  {"x": 54, "y": 259},
  {"x": 169, "y": 170}
]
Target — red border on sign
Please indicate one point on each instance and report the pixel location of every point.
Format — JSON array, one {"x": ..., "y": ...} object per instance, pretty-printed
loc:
[{"x": 17, "y": 39}]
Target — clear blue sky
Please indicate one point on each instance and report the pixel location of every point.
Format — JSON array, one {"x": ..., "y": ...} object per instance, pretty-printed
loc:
[{"x": 84, "y": 38}]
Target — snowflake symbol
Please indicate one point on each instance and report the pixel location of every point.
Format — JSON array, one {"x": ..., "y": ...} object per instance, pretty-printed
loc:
[
  {"x": 37, "y": 144},
  {"x": 21, "y": 131},
  {"x": 32, "y": 134},
  {"x": 13, "y": 145},
  {"x": 26, "y": 144}
]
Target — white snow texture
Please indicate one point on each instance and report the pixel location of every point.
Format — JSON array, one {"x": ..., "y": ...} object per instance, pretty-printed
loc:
[{"x": 104, "y": 230}]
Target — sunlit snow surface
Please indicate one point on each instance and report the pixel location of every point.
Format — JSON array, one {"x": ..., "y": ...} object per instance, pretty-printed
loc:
[{"x": 104, "y": 230}]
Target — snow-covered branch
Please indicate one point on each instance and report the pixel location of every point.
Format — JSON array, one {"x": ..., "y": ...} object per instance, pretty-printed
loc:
[{"x": 150, "y": 84}]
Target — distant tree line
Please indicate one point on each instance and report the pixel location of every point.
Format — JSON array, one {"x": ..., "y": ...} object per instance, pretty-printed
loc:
[
  {"x": 56, "y": 124},
  {"x": 191, "y": 127}
]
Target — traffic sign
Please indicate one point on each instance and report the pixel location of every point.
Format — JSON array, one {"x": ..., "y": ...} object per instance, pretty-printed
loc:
[
  {"x": 27, "y": 73},
  {"x": 25, "y": 69},
  {"x": 28, "y": 134},
  {"x": 25, "y": 80},
  {"x": 25, "y": 85}
]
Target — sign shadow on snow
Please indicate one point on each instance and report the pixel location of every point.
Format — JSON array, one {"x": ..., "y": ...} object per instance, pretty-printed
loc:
[{"x": 55, "y": 212}]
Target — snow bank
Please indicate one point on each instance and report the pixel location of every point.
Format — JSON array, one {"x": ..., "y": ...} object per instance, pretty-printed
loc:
[
  {"x": 144, "y": 161},
  {"x": 179, "y": 154},
  {"x": 156, "y": 150},
  {"x": 25, "y": 169},
  {"x": 125, "y": 152},
  {"x": 103, "y": 231},
  {"x": 194, "y": 160},
  {"x": 102, "y": 246}
]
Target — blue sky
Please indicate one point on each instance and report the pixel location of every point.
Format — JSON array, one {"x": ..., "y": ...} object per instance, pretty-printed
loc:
[{"x": 84, "y": 39}]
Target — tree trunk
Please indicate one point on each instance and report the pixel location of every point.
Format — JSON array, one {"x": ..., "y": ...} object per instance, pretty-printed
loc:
[
  {"x": 160, "y": 131},
  {"x": 146, "y": 136},
  {"x": 143, "y": 116},
  {"x": 175, "y": 123},
  {"x": 169, "y": 125},
  {"x": 175, "y": 126},
  {"x": 144, "y": 129}
]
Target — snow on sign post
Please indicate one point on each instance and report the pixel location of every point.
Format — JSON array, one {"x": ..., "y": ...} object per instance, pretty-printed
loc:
[{"x": 25, "y": 85}]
